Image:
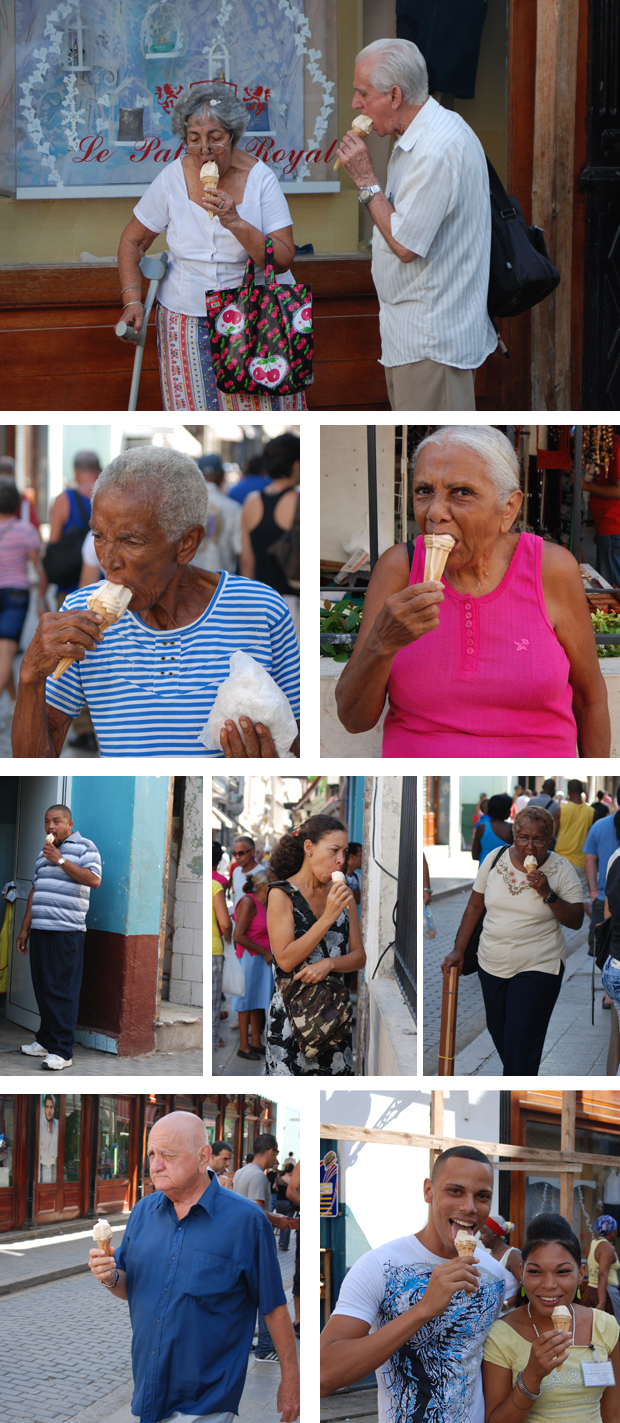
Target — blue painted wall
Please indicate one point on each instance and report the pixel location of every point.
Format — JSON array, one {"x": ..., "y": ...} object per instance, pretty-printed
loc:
[{"x": 125, "y": 816}]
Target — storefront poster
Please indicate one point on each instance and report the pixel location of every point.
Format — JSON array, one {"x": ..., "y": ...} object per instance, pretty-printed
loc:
[
  {"x": 329, "y": 1184},
  {"x": 48, "y": 1137},
  {"x": 96, "y": 83}
]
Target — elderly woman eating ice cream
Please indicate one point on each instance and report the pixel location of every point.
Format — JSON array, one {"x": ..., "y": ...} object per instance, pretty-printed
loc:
[
  {"x": 494, "y": 654},
  {"x": 147, "y": 650}
]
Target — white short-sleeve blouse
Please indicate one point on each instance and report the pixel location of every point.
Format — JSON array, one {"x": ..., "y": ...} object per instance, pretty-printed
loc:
[{"x": 204, "y": 256}]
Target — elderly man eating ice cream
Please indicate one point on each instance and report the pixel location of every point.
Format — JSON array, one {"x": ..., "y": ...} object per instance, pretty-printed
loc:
[
  {"x": 417, "y": 1311},
  {"x": 151, "y": 677},
  {"x": 194, "y": 1265}
]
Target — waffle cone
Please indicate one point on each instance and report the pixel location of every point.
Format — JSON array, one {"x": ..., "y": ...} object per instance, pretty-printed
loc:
[
  {"x": 438, "y": 549},
  {"x": 466, "y": 1250},
  {"x": 362, "y": 126},
  {"x": 561, "y": 1322},
  {"x": 208, "y": 173},
  {"x": 110, "y": 600},
  {"x": 105, "y": 1246}
]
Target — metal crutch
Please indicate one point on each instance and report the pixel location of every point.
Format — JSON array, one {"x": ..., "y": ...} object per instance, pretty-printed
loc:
[{"x": 153, "y": 268}]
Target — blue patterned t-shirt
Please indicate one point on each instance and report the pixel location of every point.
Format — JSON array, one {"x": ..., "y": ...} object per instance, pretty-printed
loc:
[{"x": 436, "y": 1375}]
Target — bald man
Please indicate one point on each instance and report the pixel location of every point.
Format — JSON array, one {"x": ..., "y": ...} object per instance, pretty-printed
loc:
[{"x": 195, "y": 1263}]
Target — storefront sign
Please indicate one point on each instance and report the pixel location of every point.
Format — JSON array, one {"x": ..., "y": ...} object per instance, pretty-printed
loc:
[{"x": 329, "y": 1184}]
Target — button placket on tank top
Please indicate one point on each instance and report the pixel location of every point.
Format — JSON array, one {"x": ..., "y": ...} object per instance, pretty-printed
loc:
[
  {"x": 167, "y": 665},
  {"x": 470, "y": 635}
]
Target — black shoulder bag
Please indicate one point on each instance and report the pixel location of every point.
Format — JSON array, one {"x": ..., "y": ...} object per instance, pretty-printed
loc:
[
  {"x": 62, "y": 560},
  {"x": 470, "y": 959}
]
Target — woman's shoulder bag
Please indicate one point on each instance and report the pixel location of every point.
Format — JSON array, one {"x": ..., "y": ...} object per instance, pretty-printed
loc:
[
  {"x": 470, "y": 960},
  {"x": 320, "y": 1014},
  {"x": 261, "y": 337},
  {"x": 603, "y": 933}
]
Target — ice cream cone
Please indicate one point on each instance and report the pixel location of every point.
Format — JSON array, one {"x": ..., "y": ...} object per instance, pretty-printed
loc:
[
  {"x": 561, "y": 1319},
  {"x": 110, "y": 600},
  {"x": 338, "y": 877},
  {"x": 49, "y": 839},
  {"x": 466, "y": 1246},
  {"x": 438, "y": 548},
  {"x": 209, "y": 174},
  {"x": 531, "y": 863},
  {"x": 362, "y": 125},
  {"x": 102, "y": 1236}
]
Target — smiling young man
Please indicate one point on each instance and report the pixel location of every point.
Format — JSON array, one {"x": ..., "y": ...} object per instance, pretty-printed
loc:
[
  {"x": 67, "y": 868},
  {"x": 151, "y": 681},
  {"x": 194, "y": 1264},
  {"x": 405, "y": 1311}
]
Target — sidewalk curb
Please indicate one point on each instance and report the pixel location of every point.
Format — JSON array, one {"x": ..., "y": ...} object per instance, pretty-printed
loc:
[
  {"x": 463, "y": 888},
  {"x": 28, "y": 1282}
]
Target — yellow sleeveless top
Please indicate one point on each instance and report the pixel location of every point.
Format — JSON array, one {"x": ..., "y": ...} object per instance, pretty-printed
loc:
[
  {"x": 612, "y": 1278},
  {"x": 565, "y": 1397}
]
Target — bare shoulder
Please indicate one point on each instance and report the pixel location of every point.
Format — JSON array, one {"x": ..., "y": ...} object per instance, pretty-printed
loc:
[
  {"x": 393, "y": 567},
  {"x": 560, "y": 564}
]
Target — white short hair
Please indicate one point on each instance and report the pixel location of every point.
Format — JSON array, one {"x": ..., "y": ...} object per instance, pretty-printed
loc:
[
  {"x": 397, "y": 62},
  {"x": 170, "y": 484},
  {"x": 492, "y": 447}
]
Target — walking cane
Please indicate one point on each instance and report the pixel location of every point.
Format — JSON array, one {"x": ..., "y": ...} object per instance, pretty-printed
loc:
[
  {"x": 153, "y": 268},
  {"x": 447, "y": 1031}
]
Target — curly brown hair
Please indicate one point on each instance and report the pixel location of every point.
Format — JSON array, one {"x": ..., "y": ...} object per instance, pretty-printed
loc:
[
  {"x": 535, "y": 812},
  {"x": 288, "y": 856}
]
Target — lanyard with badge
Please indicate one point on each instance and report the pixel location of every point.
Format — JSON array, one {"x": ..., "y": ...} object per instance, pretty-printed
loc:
[{"x": 598, "y": 1372}]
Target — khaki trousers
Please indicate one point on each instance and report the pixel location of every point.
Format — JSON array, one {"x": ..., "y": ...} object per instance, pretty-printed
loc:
[{"x": 427, "y": 385}]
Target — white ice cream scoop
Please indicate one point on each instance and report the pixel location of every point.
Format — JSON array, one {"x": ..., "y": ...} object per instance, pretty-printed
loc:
[
  {"x": 49, "y": 839},
  {"x": 102, "y": 1235},
  {"x": 362, "y": 125},
  {"x": 338, "y": 877}
]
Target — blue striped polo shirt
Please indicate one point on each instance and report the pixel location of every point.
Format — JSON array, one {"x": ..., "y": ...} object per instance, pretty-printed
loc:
[
  {"x": 58, "y": 902},
  {"x": 149, "y": 693}
]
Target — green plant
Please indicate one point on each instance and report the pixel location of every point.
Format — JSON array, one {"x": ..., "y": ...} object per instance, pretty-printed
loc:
[
  {"x": 342, "y": 617},
  {"x": 603, "y": 622}
]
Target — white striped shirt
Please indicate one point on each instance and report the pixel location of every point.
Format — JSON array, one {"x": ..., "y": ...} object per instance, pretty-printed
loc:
[
  {"x": 59, "y": 902},
  {"x": 149, "y": 693},
  {"x": 435, "y": 307}
]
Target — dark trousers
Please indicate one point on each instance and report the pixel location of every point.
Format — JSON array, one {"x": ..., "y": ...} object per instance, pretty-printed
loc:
[
  {"x": 598, "y": 914},
  {"x": 518, "y": 1014},
  {"x": 284, "y": 1208},
  {"x": 56, "y": 962}
]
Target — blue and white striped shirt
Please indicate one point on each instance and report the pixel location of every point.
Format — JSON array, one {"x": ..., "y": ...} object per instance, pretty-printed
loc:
[
  {"x": 58, "y": 902},
  {"x": 149, "y": 693},
  {"x": 435, "y": 307}
]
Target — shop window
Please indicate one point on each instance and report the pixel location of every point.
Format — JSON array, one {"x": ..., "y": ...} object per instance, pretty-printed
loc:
[
  {"x": 596, "y": 1188},
  {"x": 155, "y": 1109},
  {"x": 113, "y": 1155},
  {"x": 7, "y": 1138},
  {"x": 48, "y": 1137},
  {"x": 73, "y": 1136}
]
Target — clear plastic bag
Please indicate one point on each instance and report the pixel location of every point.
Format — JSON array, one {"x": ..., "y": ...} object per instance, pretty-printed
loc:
[
  {"x": 250, "y": 691},
  {"x": 233, "y": 977}
]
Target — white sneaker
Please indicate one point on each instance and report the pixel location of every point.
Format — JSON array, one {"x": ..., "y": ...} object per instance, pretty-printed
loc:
[
  {"x": 55, "y": 1064},
  {"x": 34, "y": 1049}
]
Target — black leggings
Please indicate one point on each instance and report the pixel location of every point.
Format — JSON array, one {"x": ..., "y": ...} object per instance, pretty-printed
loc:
[{"x": 518, "y": 1014}]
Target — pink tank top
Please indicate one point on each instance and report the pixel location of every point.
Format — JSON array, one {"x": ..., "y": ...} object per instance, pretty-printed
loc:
[
  {"x": 491, "y": 680},
  {"x": 257, "y": 930}
]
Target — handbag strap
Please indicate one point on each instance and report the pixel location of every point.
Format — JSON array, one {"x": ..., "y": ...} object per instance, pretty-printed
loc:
[{"x": 270, "y": 276}]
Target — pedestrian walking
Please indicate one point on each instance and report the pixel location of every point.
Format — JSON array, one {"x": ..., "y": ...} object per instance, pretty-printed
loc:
[
  {"x": 221, "y": 930},
  {"x": 19, "y": 542},
  {"x": 251, "y": 1181},
  {"x": 66, "y": 870},
  {"x": 207, "y": 1259},
  {"x": 432, "y": 231},
  {"x": 221, "y": 545},
  {"x": 251, "y": 939},
  {"x": 268, "y": 515},
  {"x": 529, "y": 893},
  {"x": 283, "y": 1204},
  {"x": 493, "y": 827},
  {"x": 572, "y": 820}
]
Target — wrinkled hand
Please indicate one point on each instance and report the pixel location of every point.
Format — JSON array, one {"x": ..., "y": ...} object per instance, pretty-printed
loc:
[
  {"x": 407, "y": 616},
  {"x": 339, "y": 898},
  {"x": 453, "y": 960},
  {"x": 59, "y": 635},
  {"x": 356, "y": 160},
  {"x": 444, "y": 1281},
  {"x": 103, "y": 1266},
  {"x": 221, "y": 205},
  {"x": 133, "y": 315},
  {"x": 539, "y": 882},
  {"x": 314, "y": 972},
  {"x": 258, "y": 740},
  {"x": 22, "y": 942},
  {"x": 287, "y": 1401}
]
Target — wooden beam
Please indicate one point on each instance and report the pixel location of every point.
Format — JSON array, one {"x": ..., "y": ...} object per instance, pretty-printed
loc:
[
  {"x": 569, "y": 1116},
  {"x": 553, "y": 186},
  {"x": 436, "y": 1126},
  {"x": 527, "y": 1154}
]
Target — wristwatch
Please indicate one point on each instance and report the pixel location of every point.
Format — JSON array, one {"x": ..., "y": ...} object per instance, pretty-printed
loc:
[
  {"x": 551, "y": 897},
  {"x": 365, "y": 194},
  {"x": 62, "y": 860}
]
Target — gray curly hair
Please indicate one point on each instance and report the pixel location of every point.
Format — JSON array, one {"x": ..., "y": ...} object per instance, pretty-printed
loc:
[
  {"x": 169, "y": 482},
  {"x": 539, "y": 816},
  {"x": 214, "y": 98}
]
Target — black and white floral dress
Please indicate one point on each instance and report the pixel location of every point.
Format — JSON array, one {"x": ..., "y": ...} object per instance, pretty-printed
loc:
[{"x": 283, "y": 1056}]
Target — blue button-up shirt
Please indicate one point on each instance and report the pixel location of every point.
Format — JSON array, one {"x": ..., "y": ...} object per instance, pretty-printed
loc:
[{"x": 193, "y": 1287}]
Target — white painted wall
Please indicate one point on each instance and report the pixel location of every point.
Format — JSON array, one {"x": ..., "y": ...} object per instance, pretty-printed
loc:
[
  {"x": 344, "y": 486},
  {"x": 186, "y": 980}
]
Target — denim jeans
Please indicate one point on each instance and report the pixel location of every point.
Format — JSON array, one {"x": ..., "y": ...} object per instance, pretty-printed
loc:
[
  {"x": 608, "y": 547},
  {"x": 264, "y": 1343},
  {"x": 611, "y": 984}
]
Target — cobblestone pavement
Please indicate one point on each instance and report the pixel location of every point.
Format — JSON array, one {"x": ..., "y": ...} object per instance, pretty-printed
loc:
[
  {"x": 572, "y": 1044},
  {"x": 225, "y": 1061},
  {"x": 66, "y": 1345}
]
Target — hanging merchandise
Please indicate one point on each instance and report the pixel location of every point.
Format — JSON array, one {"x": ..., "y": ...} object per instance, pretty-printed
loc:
[{"x": 597, "y": 450}]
